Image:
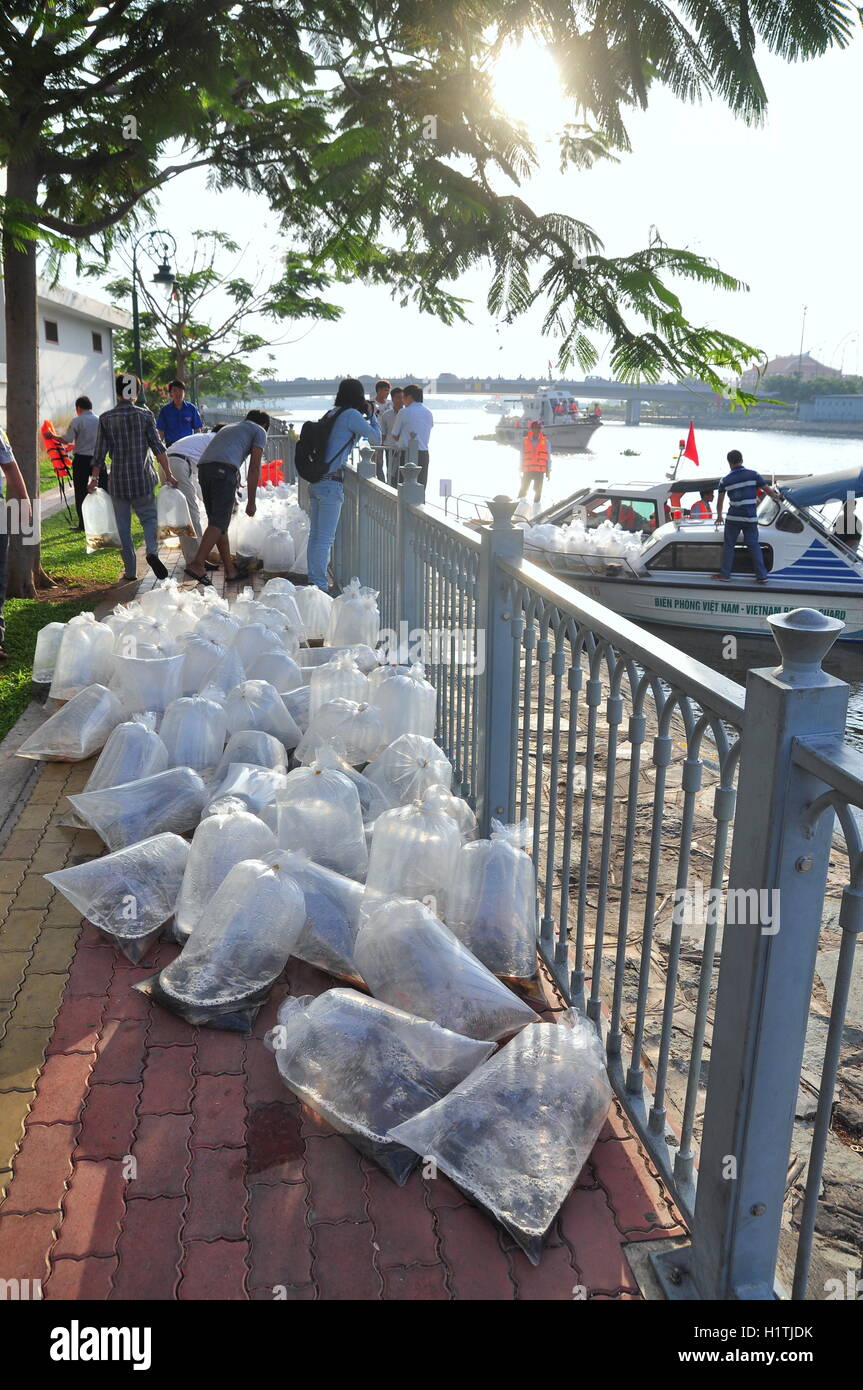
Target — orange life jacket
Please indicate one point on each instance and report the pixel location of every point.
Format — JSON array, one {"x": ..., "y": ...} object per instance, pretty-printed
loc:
[
  {"x": 700, "y": 511},
  {"x": 534, "y": 454}
]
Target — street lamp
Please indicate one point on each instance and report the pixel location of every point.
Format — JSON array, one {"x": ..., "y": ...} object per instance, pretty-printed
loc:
[{"x": 164, "y": 276}]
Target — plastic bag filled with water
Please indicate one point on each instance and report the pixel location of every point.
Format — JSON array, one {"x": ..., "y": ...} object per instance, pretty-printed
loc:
[
  {"x": 413, "y": 853},
  {"x": 84, "y": 657},
  {"x": 333, "y": 910},
  {"x": 194, "y": 731},
  {"x": 340, "y": 678},
  {"x": 318, "y": 813},
  {"x": 407, "y": 701},
  {"x": 354, "y": 617},
  {"x": 257, "y": 705},
  {"x": 252, "y": 746},
  {"x": 491, "y": 904},
  {"x": 407, "y": 768},
  {"x": 77, "y": 730},
  {"x": 167, "y": 801},
  {"x": 220, "y": 842},
  {"x": 355, "y": 730}
]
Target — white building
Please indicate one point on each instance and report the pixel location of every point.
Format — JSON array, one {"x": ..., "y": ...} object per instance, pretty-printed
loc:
[{"x": 76, "y": 352}]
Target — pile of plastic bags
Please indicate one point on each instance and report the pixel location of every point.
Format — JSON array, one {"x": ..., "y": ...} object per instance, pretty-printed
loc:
[{"x": 581, "y": 545}]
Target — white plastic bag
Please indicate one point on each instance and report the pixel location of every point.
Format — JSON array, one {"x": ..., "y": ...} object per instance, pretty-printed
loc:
[
  {"x": 491, "y": 904},
  {"x": 172, "y": 513},
  {"x": 333, "y": 906},
  {"x": 252, "y": 639},
  {"x": 164, "y": 598},
  {"x": 133, "y": 750},
  {"x": 318, "y": 813},
  {"x": 77, "y": 730},
  {"x": 237, "y": 950},
  {"x": 365, "y": 1067},
  {"x": 83, "y": 658},
  {"x": 372, "y": 803},
  {"x": 278, "y": 553},
  {"x": 296, "y": 702},
  {"x": 407, "y": 701},
  {"x": 226, "y": 673},
  {"x": 254, "y": 747},
  {"x": 408, "y": 768},
  {"x": 257, "y": 705},
  {"x": 314, "y": 606},
  {"x": 406, "y": 955},
  {"x": 194, "y": 731},
  {"x": 413, "y": 854},
  {"x": 286, "y": 604},
  {"x": 517, "y": 1132},
  {"x": 48, "y": 640},
  {"x": 454, "y": 806},
  {"x": 354, "y": 617},
  {"x": 201, "y": 655},
  {"x": 364, "y": 657},
  {"x": 339, "y": 679},
  {"x": 166, "y": 801},
  {"x": 217, "y": 626},
  {"x": 278, "y": 668},
  {"x": 220, "y": 842},
  {"x": 128, "y": 895},
  {"x": 147, "y": 685},
  {"x": 253, "y": 786},
  {"x": 100, "y": 523},
  {"x": 354, "y": 730}
]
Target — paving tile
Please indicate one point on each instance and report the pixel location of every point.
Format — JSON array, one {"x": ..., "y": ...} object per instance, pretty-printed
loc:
[
  {"x": 90, "y": 973},
  {"x": 219, "y": 1051},
  {"x": 554, "y": 1279},
  {"x": 336, "y": 1179},
  {"x": 6, "y": 901},
  {"x": 216, "y": 1191},
  {"x": 33, "y": 817},
  {"x": 285, "y": 1293},
  {"x": 168, "y": 1081},
  {"x": 166, "y": 1029},
  {"x": 214, "y": 1270},
  {"x": 47, "y": 858},
  {"x": 14, "y": 1107},
  {"x": 310, "y": 1121},
  {"x": 442, "y": 1194},
  {"x": 80, "y": 1280},
  {"x": 478, "y": 1267},
  {"x": 149, "y": 1250},
  {"x": 344, "y": 1262},
  {"x": 12, "y": 967},
  {"x": 62, "y": 1088},
  {"x": 62, "y": 913},
  {"x": 120, "y": 1050},
  {"x": 78, "y": 1024},
  {"x": 20, "y": 929},
  {"x": 264, "y": 1085},
  {"x": 21, "y": 844},
  {"x": 161, "y": 1152},
  {"x": 22, "y": 1053},
  {"x": 38, "y": 1000},
  {"x": 124, "y": 1001},
  {"x": 93, "y": 1207},
  {"x": 404, "y": 1225},
  {"x": 53, "y": 951},
  {"x": 219, "y": 1108},
  {"x": 587, "y": 1223},
  {"x": 639, "y": 1201},
  {"x": 108, "y": 1121},
  {"x": 12, "y": 876},
  {"x": 416, "y": 1284},
  {"x": 280, "y": 1239},
  {"x": 276, "y": 1148},
  {"x": 24, "y": 1244},
  {"x": 42, "y": 1168},
  {"x": 34, "y": 891}
]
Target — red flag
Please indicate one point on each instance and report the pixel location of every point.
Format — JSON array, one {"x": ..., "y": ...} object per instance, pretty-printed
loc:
[{"x": 691, "y": 450}]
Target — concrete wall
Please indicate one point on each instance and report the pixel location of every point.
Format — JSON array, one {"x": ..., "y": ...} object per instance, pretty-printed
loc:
[{"x": 833, "y": 408}]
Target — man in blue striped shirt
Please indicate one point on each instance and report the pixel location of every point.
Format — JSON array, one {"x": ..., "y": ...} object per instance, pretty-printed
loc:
[{"x": 742, "y": 485}]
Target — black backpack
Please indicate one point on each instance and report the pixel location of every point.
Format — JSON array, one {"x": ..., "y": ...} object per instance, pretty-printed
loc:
[{"x": 310, "y": 455}]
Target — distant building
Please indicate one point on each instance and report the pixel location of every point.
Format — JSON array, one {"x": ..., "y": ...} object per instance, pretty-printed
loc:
[
  {"x": 832, "y": 408},
  {"x": 805, "y": 367},
  {"x": 76, "y": 351}
]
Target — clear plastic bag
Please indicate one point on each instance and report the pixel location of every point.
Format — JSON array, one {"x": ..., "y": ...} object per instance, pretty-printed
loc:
[
  {"x": 364, "y": 657},
  {"x": 253, "y": 747},
  {"x": 252, "y": 639},
  {"x": 201, "y": 655},
  {"x": 491, "y": 904},
  {"x": 278, "y": 668},
  {"x": 454, "y": 806},
  {"x": 354, "y": 730},
  {"x": 409, "y": 958},
  {"x": 226, "y": 673},
  {"x": 318, "y": 813},
  {"x": 256, "y": 787},
  {"x": 407, "y": 701},
  {"x": 414, "y": 850},
  {"x": 314, "y": 606},
  {"x": 371, "y": 799},
  {"x": 365, "y": 1067},
  {"x": 354, "y": 617},
  {"x": 129, "y": 895},
  {"x": 217, "y": 627},
  {"x": 237, "y": 950},
  {"x": 194, "y": 731},
  {"x": 333, "y": 906},
  {"x": 408, "y": 768},
  {"x": 172, "y": 513},
  {"x": 100, "y": 523},
  {"x": 77, "y": 730},
  {"x": 257, "y": 705},
  {"x": 284, "y": 603},
  {"x": 517, "y": 1132},
  {"x": 339, "y": 679},
  {"x": 220, "y": 842},
  {"x": 166, "y": 801},
  {"x": 48, "y": 640},
  {"x": 133, "y": 750},
  {"x": 296, "y": 702},
  {"x": 164, "y": 598},
  {"x": 84, "y": 657},
  {"x": 278, "y": 553},
  {"x": 147, "y": 685}
]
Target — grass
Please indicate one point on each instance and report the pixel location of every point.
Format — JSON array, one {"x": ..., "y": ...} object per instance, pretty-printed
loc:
[{"x": 64, "y": 557}]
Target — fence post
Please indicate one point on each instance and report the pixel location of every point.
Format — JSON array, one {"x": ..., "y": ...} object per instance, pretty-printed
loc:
[
  {"x": 765, "y": 976},
  {"x": 496, "y": 712},
  {"x": 409, "y": 600},
  {"x": 365, "y": 469}
]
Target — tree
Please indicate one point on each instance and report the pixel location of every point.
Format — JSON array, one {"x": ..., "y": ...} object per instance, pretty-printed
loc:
[
  {"x": 787, "y": 386},
  {"x": 373, "y": 129},
  {"x": 176, "y": 339}
]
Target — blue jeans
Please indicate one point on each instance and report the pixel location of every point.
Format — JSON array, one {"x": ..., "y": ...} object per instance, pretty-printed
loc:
[
  {"x": 750, "y": 536},
  {"x": 145, "y": 510},
  {"x": 326, "y": 497}
]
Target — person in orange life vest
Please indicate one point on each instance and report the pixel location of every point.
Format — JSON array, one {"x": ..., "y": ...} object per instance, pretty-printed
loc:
[
  {"x": 597, "y": 413},
  {"x": 573, "y": 408},
  {"x": 558, "y": 407},
  {"x": 702, "y": 510},
  {"x": 628, "y": 518},
  {"x": 535, "y": 459},
  {"x": 674, "y": 506}
]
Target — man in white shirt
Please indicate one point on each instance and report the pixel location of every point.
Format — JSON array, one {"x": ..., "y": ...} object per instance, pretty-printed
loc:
[
  {"x": 184, "y": 455},
  {"x": 415, "y": 419},
  {"x": 393, "y": 454}
]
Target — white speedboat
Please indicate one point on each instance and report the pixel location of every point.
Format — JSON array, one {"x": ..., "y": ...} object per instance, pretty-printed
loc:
[
  {"x": 566, "y": 431},
  {"x": 659, "y": 571}
]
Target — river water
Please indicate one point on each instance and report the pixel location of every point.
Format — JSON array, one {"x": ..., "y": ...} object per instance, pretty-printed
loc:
[{"x": 481, "y": 468}]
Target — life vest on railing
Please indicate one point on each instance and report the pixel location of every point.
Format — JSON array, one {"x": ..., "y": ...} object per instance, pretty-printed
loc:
[
  {"x": 674, "y": 506},
  {"x": 534, "y": 454},
  {"x": 58, "y": 451}
]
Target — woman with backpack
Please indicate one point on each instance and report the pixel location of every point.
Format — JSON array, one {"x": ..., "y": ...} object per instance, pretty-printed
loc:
[{"x": 320, "y": 456}]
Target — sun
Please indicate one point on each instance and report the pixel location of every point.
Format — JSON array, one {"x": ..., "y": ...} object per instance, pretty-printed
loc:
[{"x": 528, "y": 89}]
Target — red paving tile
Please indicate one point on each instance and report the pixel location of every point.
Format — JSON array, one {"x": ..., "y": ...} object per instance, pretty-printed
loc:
[
  {"x": 217, "y": 1195},
  {"x": 24, "y": 1244},
  {"x": 91, "y": 973},
  {"x": 88, "y": 1279},
  {"x": 214, "y": 1269},
  {"x": 149, "y": 1249},
  {"x": 162, "y": 1156},
  {"x": 404, "y": 1225},
  {"x": 94, "y": 1207},
  {"x": 280, "y": 1237},
  {"x": 485, "y": 1273},
  {"x": 168, "y": 1081},
  {"x": 61, "y": 1088},
  {"x": 77, "y": 1026},
  {"x": 417, "y": 1282},
  {"x": 42, "y": 1169},
  {"x": 120, "y": 1053},
  {"x": 219, "y": 1052},
  {"x": 337, "y": 1181},
  {"x": 219, "y": 1109},
  {"x": 344, "y": 1262},
  {"x": 108, "y": 1122}
]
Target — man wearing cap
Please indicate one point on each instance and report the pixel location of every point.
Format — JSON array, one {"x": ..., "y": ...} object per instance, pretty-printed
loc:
[{"x": 535, "y": 460}]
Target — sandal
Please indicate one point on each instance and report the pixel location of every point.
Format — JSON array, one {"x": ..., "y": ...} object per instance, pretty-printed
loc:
[{"x": 198, "y": 578}]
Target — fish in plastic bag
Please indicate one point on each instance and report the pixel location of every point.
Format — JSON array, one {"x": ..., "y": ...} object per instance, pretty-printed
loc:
[
  {"x": 354, "y": 617},
  {"x": 455, "y": 806},
  {"x": 408, "y": 958},
  {"x": 257, "y": 705},
  {"x": 77, "y": 730},
  {"x": 517, "y": 1132},
  {"x": 407, "y": 701},
  {"x": 237, "y": 951},
  {"x": 277, "y": 667},
  {"x": 407, "y": 768},
  {"x": 166, "y": 801},
  {"x": 220, "y": 842},
  {"x": 413, "y": 854},
  {"x": 128, "y": 895},
  {"x": 201, "y": 655},
  {"x": 194, "y": 731},
  {"x": 333, "y": 910},
  {"x": 146, "y": 684},
  {"x": 252, "y": 746},
  {"x": 339, "y": 679},
  {"x": 84, "y": 657},
  {"x": 48, "y": 640},
  {"x": 318, "y": 813},
  {"x": 366, "y": 1067},
  {"x": 491, "y": 902},
  {"x": 256, "y": 787},
  {"x": 297, "y": 704},
  {"x": 356, "y": 730},
  {"x": 252, "y": 639},
  {"x": 314, "y": 606}
]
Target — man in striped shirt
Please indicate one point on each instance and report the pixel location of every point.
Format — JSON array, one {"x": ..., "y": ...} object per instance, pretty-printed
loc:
[{"x": 742, "y": 486}]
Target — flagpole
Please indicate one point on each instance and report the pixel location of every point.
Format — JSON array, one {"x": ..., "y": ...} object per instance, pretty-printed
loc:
[{"x": 673, "y": 474}]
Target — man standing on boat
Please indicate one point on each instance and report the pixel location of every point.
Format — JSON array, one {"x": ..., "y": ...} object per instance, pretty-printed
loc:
[
  {"x": 535, "y": 459},
  {"x": 742, "y": 485}
]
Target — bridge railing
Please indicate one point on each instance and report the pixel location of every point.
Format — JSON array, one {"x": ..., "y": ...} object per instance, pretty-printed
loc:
[{"x": 681, "y": 831}]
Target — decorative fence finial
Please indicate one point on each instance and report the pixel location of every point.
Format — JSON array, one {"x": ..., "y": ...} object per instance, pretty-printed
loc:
[{"x": 804, "y": 637}]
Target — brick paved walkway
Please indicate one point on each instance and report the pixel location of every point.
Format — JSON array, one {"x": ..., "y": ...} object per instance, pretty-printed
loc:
[{"x": 236, "y": 1190}]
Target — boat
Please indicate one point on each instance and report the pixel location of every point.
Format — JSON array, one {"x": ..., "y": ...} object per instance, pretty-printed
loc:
[
  {"x": 656, "y": 569},
  {"x": 566, "y": 432}
]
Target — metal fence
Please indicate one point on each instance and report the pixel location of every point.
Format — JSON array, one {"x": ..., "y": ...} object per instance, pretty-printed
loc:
[{"x": 681, "y": 830}]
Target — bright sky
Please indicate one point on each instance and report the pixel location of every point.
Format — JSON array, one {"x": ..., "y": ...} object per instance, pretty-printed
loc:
[{"x": 779, "y": 207}]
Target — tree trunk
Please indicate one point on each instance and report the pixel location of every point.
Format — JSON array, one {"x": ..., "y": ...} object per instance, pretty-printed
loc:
[{"x": 22, "y": 373}]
